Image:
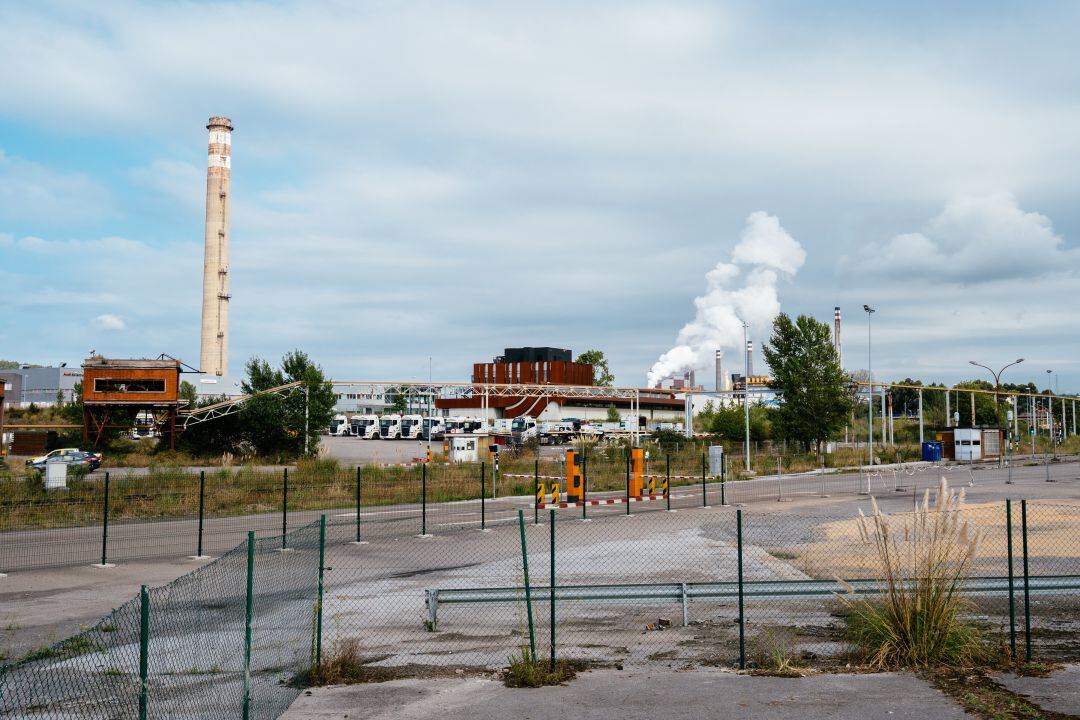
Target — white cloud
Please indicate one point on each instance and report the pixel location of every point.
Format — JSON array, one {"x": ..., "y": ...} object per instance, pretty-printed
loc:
[
  {"x": 110, "y": 322},
  {"x": 976, "y": 239}
]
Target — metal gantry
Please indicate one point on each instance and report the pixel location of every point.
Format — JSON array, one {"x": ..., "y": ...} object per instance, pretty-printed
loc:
[{"x": 443, "y": 390}]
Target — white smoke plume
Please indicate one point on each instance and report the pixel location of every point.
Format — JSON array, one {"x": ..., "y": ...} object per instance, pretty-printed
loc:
[{"x": 743, "y": 289}]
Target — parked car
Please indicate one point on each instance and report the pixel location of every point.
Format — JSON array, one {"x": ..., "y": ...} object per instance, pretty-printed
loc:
[
  {"x": 55, "y": 453},
  {"x": 88, "y": 460}
]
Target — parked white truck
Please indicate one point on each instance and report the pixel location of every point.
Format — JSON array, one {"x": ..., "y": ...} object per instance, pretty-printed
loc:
[
  {"x": 365, "y": 427},
  {"x": 339, "y": 426},
  {"x": 434, "y": 428},
  {"x": 390, "y": 427},
  {"x": 411, "y": 426}
]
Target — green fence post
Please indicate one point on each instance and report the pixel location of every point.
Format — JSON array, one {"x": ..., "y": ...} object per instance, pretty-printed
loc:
[
  {"x": 284, "y": 508},
  {"x": 202, "y": 498},
  {"x": 144, "y": 651},
  {"x": 551, "y": 588},
  {"x": 704, "y": 494},
  {"x": 322, "y": 569},
  {"x": 1012, "y": 598},
  {"x": 627, "y": 483},
  {"x": 667, "y": 480},
  {"x": 423, "y": 499},
  {"x": 105, "y": 525},
  {"x": 248, "y": 611},
  {"x": 528, "y": 587},
  {"x": 358, "y": 503},
  {"x": 742, "y": 618},
  {"x": 483, "y": 495},
  {"x": 1027, "y": 589},
  {"x": 536, "y": 491}
]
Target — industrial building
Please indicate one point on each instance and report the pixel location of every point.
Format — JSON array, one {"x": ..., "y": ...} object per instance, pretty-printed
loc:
[
  {"x": 553, "y": 366},
  {"x": 40, "y": 385}
]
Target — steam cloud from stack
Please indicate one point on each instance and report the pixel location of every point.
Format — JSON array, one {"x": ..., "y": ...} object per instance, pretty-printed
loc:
[{"x": 743, "y": 289}]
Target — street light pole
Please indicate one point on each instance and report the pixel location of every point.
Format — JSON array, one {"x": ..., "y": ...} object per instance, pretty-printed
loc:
[
  {"x": 746, "y": 396},
  {"x": 870, "y": 369},
  {"x": 1050, "y": 410},
  {"x": 997, "y": 405}
]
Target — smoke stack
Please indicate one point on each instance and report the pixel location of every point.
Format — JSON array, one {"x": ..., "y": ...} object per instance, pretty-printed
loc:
[
  {"x": 836, "y": 337},
  {"x": 719, "y": 371},
  {"x": 214, "y": 351},
  {"x": 749, "y": 360}
]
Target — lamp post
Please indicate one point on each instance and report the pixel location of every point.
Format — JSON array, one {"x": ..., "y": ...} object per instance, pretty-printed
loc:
[
  {"x": 1050, "y": 410},
  {"x": 997, "y": 406},
  {"x": 746, "y": 396},
  {"x": 870, "y": 369}
]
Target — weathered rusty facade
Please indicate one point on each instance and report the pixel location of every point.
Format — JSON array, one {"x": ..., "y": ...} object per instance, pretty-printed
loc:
[{"x": 115, "y": 390}]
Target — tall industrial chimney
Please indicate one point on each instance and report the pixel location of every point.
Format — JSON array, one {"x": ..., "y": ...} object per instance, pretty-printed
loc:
[
  {"x": 836, "y": 337},
  {"x": 719, "y": 371},
  {"x": 749, "y": 360},
  {"x": 214, "y": 352}
]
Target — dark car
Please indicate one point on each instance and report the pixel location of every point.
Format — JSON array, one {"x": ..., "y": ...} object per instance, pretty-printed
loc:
[{"x": 88, "y": 460}]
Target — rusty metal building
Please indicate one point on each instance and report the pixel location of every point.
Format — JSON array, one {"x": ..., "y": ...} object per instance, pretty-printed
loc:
[{"x": 115, "y": 391}]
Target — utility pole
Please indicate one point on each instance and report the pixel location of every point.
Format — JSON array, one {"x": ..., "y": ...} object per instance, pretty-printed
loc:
[
  {"x": 870, "y": 369},
  {"x": 746, "y": 396},
  {"x": 997, "y": 406},
  {"x": 307, "y": 398}
]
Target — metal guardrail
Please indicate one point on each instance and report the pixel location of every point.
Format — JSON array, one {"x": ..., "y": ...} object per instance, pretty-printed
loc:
[{"x": 683, "y": 593}]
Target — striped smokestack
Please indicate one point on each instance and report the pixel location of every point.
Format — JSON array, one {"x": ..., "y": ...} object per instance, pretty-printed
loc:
[
  {"x": 836, "y": 337},
  {"x": 719, "y": 371},
  {"x": 749, "y": 360},
  {"x": 214, "y": 351}
]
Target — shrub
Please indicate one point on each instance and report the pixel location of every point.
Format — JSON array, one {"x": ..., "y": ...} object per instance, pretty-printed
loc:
[
  {"x": 525, "y": 670},
  {"x": 919, "y": 619}
]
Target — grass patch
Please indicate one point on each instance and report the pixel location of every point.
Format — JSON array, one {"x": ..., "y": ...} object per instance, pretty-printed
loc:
[
  {"x": 986, "y": 699},
  {"x": 920, "y": 619},
  {"x": 528, "y": 671},
  {"x": 773, "y": 655}
]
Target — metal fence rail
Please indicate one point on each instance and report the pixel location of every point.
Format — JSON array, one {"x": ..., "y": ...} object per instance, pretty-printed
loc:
[{"x": 685, "y": 592}]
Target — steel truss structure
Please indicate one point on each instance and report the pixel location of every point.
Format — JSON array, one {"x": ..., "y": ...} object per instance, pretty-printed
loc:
[{"x": 429, "y": 390}]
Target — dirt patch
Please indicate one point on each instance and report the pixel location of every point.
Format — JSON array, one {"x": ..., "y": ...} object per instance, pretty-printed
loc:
[{"x": 984, "y": 698}]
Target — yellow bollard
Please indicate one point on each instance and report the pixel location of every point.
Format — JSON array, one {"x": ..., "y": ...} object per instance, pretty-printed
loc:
[
  {"x": 555, "y": 492},
  {"x": 540, "y": 494}
]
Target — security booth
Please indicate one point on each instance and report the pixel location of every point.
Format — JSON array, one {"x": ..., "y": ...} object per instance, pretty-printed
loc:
[
  {"x": 464, "y": 448},
  {"x": 968, "y": 443},
  {"x": 117, "y": 391}
]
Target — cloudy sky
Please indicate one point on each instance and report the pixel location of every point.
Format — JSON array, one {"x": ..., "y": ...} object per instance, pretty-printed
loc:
[{"x": 446, "y": 179}]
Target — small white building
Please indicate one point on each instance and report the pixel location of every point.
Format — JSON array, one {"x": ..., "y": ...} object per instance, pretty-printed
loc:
[{"x": 968, "y": 443}]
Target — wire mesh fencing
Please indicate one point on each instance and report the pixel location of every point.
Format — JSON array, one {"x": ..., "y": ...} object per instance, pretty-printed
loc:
[
  {"x": 174, "y": 512},
  {"x": 718, "y": 585},
  {"x": 233, "y": 638}
]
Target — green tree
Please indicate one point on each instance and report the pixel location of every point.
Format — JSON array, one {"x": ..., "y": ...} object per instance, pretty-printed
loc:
[
  {"x": 189, "y": 393},
  {"x": 274, "y": 424},
  {"x": 613, "y": 414},
  {"x": 816, "y": 396},
  {"x": 729, "y": 422},
  {"x": 397, "y": 400},
  {"x": 602, "y": 374}
]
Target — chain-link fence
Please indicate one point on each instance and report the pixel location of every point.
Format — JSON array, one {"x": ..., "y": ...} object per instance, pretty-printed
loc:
[
  {"x": 234, "y": 638},
  {"x": 694, "y": 585},
  {"x": 720, "y": 585},
  {"x": 175, "y": 513}
]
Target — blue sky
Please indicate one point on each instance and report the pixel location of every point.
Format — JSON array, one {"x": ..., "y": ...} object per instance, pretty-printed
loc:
[{"x": 447, "y": 179}]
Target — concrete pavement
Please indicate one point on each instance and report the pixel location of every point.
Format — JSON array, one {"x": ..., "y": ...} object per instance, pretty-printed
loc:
[{"x": 671, "y": 694}]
